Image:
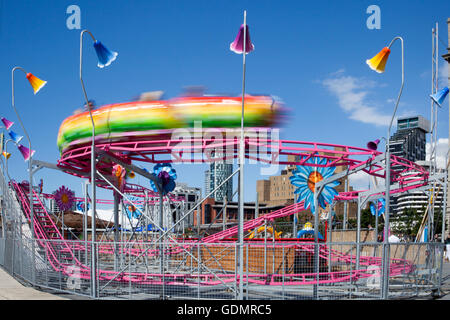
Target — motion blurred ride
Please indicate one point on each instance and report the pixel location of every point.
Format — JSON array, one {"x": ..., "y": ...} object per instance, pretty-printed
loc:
[{"x": 149, "y": 120}]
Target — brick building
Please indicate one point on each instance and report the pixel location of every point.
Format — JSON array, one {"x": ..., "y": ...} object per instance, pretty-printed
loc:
[{"x": 210, "y": 209}]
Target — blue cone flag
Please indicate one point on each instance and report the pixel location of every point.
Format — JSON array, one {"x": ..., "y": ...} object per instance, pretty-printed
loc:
[
  {"x": 14, "y": 136},
  {"x": 105, "y": 56},
  {"x": 439, "y": 96}
]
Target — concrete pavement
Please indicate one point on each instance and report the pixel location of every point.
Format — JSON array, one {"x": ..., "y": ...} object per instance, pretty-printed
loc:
[
  {"x": 11, "y": 289},
  {"x": 445, "y": 287}
]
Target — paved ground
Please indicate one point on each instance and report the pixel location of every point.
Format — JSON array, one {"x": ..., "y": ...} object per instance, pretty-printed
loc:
[
  {"x": 12, "y": 289},
  {"x": 445, "y": 294}
]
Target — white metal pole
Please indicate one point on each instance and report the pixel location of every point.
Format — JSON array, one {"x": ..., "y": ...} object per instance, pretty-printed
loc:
[
  {"x": 344, "y": 224},
  {"x": 241, "y": 171},
  {"x": 116, "y": 230},
  {"x": 358, "y": 232},
  {"x": 447, "y": 58},
  {"x": 93, "y": 189},
  {"x": 388, "y": 184},
  {"x": 6, "y": 159},
  {"x": 85, "y": 234},
  {"x": 316, "y": 243},
  {"x": 30, "y": 167}
]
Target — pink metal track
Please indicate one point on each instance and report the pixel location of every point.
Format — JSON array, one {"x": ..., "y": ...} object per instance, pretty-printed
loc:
[
  {"x": 268, "y": 151},
  {"x": 61, "y": 256}
]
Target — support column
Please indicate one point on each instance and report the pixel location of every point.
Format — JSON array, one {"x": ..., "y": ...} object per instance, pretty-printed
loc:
[
  {"x": 344, "y": 224},
  {"x": 447, "y": 208},
  {"x": 358, "y": 231},
  {"x": 162, "y": 244},
  {"x": 85, "y": 221},
  {"x": 224, "y": 214},
  {"x": 116, "y": 231}
]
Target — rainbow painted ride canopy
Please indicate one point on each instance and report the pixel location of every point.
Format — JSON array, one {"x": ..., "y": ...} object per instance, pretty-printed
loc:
[{"x": 133, "y": 121}]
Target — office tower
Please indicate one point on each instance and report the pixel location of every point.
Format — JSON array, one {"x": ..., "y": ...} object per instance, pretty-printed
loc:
[
  {"x": 218, "y": 172},
  {"x": 408, "y": 142}
]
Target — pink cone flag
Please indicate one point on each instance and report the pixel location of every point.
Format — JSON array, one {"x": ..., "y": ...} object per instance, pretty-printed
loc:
[
  {"x": 26, "y": 153},
  {"x": 237, "y": 45},
  {"x": 8, "y": 124}
]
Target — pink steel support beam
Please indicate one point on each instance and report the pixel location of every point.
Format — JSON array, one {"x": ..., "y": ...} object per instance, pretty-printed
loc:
[{"x": 154, "y": 151}]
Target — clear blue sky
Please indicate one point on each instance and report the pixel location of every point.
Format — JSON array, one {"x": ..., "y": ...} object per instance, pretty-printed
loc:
[{"x": 310, "y": 53}]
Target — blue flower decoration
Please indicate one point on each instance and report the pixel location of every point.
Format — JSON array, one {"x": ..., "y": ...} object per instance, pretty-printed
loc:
[
  {"x": 380, "y": 203},
  {"x": 80, "y": 206},
  {"x": 105, "y": 56},
  {"x": 132, "y": 210},
  {"x": 305, "y": 177},
  {"x": 167, "y": 175}
]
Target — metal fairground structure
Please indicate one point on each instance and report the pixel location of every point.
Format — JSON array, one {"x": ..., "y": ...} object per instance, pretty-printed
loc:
[
  {"x": 167, "y": 265},
  {"x": 132, "y": 261}
]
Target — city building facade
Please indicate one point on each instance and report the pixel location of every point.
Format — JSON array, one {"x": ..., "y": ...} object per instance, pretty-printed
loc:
[
  {"x": 218, "y": 172},
  {"x": 408, "y": 142},
  {"x": 191, "y": 195}
]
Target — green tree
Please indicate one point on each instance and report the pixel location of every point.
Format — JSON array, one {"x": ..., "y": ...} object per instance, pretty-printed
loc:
[
  {"x": 367, "y": 221},
  {"x": 407, "y": 222}
]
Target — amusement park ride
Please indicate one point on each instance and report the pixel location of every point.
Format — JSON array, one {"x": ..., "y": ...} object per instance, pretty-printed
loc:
[
  {"x": 121, "y": 143},
  {"x": 129, "y": 134}
]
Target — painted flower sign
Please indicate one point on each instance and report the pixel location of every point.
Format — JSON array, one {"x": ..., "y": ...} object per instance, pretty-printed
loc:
[
  {"x": 305, "y": 177},
  {"x": 132, "y": 208},
  {"x": 377, "y": 206},
  {"x": 64, "y": 198}
]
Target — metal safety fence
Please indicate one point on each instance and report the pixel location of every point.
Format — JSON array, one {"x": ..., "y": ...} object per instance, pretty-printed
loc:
[{"x": 195, "y": 270}]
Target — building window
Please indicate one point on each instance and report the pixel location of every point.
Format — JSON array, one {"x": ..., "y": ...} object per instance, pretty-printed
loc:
[{"x": 207, "y": 213}]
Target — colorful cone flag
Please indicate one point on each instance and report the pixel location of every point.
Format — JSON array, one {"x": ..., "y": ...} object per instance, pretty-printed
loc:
[
  {"x": 104, "y": 55},
  {"x": 26, "y": 153},
  {"x": 35, "y": 82},
  {"x": 378, "y": 63},
  {"x": 237, "y": 45},
  {"x": 15, "y": 137},
  {"x": 439, "y": 96},
  {"x": 8, "y": 124}
]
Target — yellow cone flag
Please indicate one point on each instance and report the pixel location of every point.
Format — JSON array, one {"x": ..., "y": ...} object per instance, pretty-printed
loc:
[
  {"x": 35, "y": 82},
  {"x": 378, "y": 63},
  {"x": 6, "y": 154}
]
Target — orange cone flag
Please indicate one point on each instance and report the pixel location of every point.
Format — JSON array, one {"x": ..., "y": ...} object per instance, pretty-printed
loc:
[
  {"x": 378, "y": 63},
  {"x": 35, "y": 82}
]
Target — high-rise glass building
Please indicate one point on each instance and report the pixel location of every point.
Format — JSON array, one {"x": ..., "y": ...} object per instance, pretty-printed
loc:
[
  {"x": 217, "y": 173},
  {"x": 207, "y": 182},
  {"x": 408, "y": 142}
]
